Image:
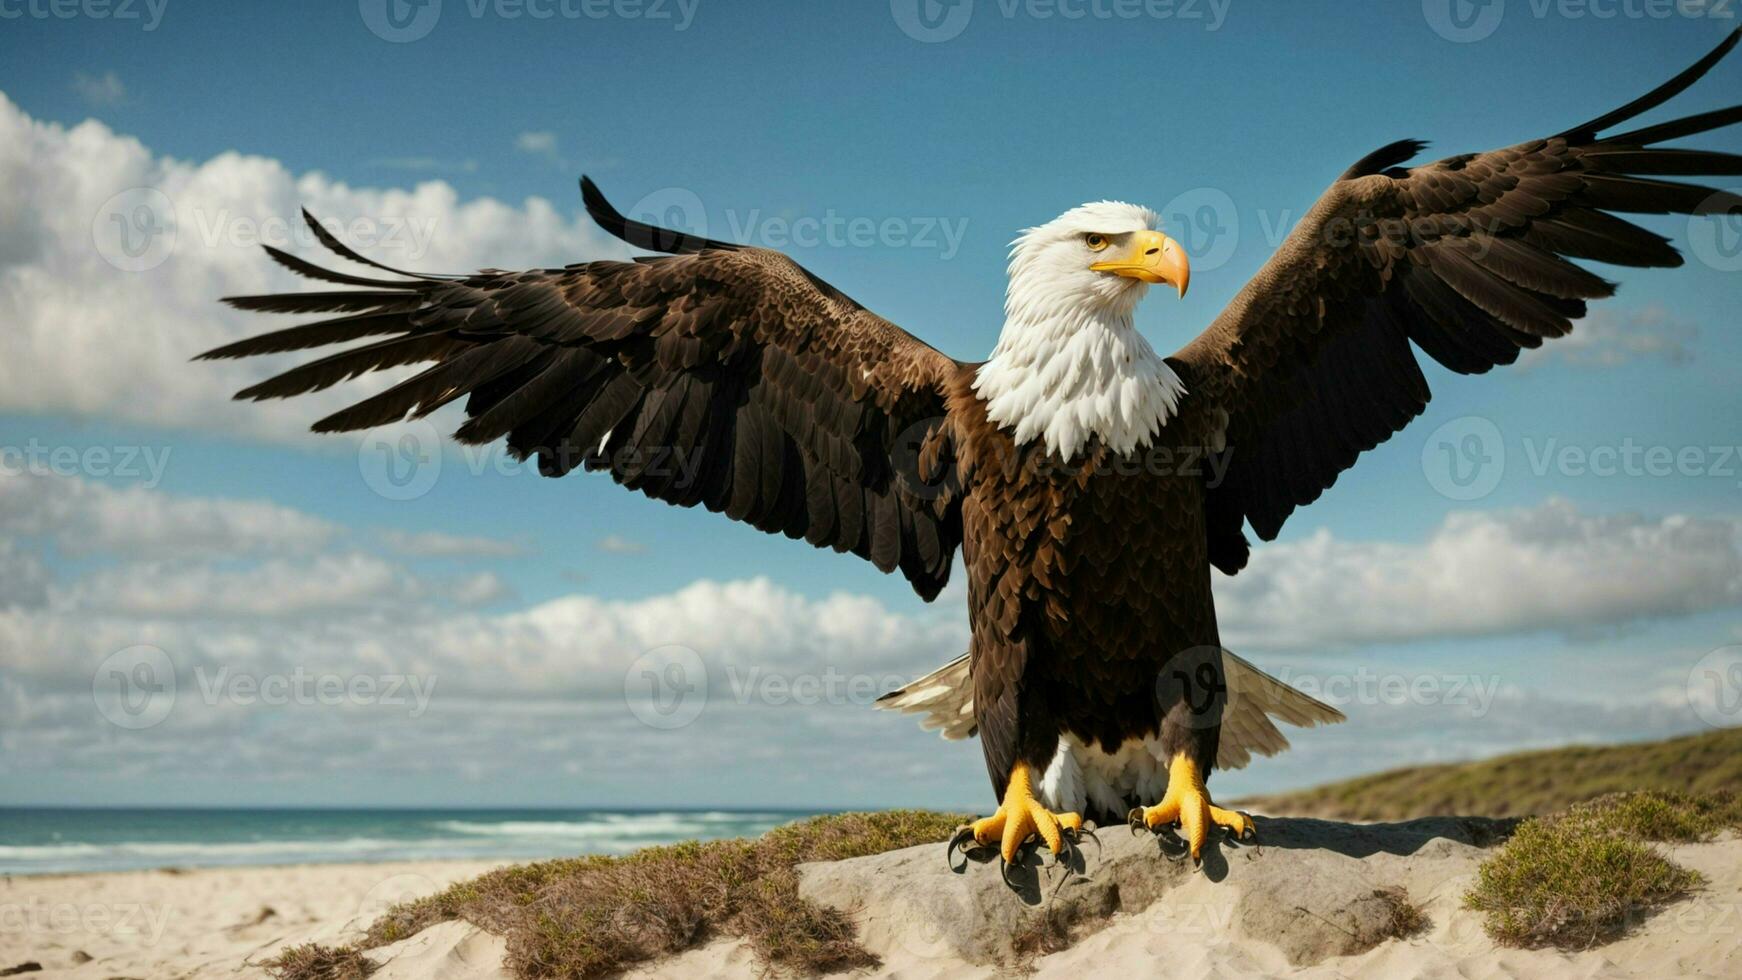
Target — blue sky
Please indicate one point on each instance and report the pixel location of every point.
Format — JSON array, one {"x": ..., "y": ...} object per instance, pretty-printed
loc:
[{"x": 1229, "y": 118}]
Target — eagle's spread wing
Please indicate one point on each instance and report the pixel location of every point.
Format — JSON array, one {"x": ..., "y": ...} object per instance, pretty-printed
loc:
[
  {"x": 1466, "y": 257},
  {"x": 723, "y": 376}
]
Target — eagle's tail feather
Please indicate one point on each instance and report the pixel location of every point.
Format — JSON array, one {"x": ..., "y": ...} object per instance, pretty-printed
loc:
[
  {"x": 1254, "y": 700},
  {"x": 945, "y": 697},
  {"x": 945, "y": 700}
]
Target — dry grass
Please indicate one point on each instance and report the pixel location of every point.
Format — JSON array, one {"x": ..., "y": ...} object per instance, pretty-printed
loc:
[
  {"x": 596, "y": 916},
  {"x": 1588, "y": 874},
  {"x": 1525, "y": 784},
  {"x": 1407, "y": 918},
  {"x": 316, "y": 962}
]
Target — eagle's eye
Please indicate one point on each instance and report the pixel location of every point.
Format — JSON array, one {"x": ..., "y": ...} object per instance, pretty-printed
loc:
[{"x": 1095, "y": 241}]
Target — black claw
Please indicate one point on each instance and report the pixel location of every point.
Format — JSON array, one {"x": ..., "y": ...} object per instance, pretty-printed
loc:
[
  {"x": 1067, "y": 848},
  {"x": 1173, "y": 847},
  {"x": 1088, "y": 831},
  {"x": 1004, "y": 872},
  {"x": 1070, "y": 858},
  {"x": 963, "y": 836},
  {"x": 1135, "y": 820}
]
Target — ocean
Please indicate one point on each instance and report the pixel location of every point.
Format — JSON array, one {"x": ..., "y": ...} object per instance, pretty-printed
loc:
[{"x": 52, "y": 840}]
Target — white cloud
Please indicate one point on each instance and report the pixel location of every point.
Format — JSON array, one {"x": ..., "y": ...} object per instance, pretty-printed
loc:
[
  {"x": 87, "y": 518},
  {"x": 1610, "y": 338},
  {"x": 1481, "y": 574},
  {"x": 538, "y": 142},
  {"x": 616, "y": 544},
  {"x": 541, "y": 143},
  {"x": 546, "y": 688},
  {"x": 436, "y": 544},
  {"x": 426, "y": 164},
  {"x": 100, "y": 90},
  {"x": 24, "y": 579},
  {"x": 544, "y": 684},
  {"x": 84, "y": 337},
  {"x": 327, "y": 585}
]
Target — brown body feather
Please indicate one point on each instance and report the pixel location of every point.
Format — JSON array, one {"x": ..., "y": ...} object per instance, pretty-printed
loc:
[{"x": 1088, "y": 586}]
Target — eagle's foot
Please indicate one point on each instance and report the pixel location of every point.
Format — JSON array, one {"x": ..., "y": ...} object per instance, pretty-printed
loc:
[
  {"x": 1022, "y": 819},
  {"x": 1186, "y": 805}
]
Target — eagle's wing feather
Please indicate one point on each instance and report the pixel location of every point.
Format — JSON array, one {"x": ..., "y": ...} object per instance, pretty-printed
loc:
[
  {"x": 1466, "y": 258},
  {"x": 722, "y": 376}
]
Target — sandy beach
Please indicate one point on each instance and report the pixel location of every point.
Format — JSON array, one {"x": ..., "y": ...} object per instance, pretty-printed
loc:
[
  {"x": 223, "y": 922},
  {"x": 198, "y": 924}
]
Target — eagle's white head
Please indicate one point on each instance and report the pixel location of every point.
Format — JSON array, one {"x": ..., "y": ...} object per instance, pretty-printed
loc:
[{"x": 1069, "y": 363}]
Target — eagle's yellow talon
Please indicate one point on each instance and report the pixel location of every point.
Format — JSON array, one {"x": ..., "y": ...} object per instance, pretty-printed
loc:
[
  {"x": 1021, "y": 817},
  {"x": 1187, "y": 804}
]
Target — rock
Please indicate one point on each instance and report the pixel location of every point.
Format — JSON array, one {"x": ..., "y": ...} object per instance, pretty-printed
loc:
[{"x": 1310, "y": 888}]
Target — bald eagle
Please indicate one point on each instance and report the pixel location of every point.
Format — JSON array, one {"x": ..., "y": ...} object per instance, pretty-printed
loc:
[{"x": 1057, "y": 466}]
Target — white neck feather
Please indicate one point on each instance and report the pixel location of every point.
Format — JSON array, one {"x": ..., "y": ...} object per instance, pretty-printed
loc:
[{"x": 1065, "y": 375}]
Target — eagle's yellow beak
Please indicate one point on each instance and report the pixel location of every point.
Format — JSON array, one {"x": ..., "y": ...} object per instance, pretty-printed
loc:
[{"x": 1153, "y": 257}]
